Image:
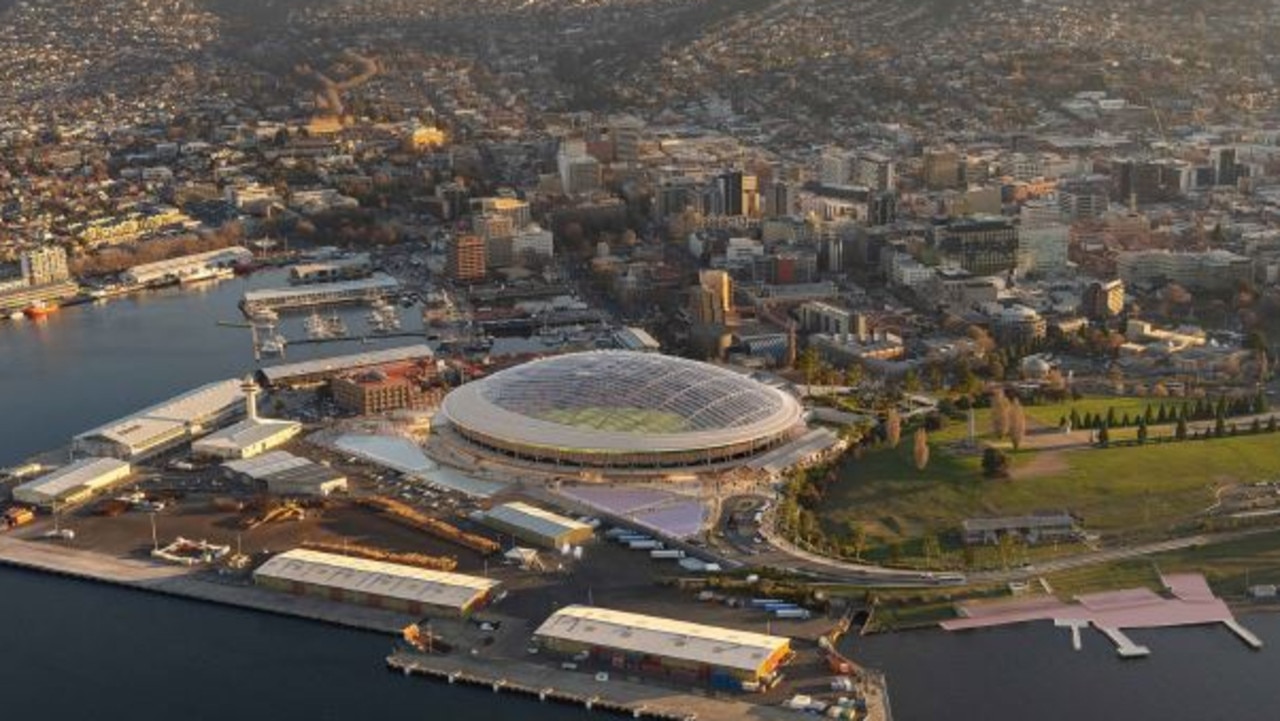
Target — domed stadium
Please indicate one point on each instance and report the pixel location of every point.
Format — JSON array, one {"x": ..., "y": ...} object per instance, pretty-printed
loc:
[{"x": 622, "y": 409}]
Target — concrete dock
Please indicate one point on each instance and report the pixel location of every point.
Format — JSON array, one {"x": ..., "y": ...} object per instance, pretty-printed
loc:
[
  {"x": 1125, "y": 646},
  {"x": 619, "y": 695},
  {"x": 146, "y": 575}
]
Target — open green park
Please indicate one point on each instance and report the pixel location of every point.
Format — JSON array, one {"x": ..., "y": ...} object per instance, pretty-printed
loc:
[{"x": 880, "y": 506}]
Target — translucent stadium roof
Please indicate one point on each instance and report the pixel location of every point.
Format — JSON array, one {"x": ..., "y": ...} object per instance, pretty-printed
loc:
[{"x": 615, "y": 401}]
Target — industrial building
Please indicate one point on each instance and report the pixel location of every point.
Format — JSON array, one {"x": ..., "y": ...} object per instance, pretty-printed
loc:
[
  {"x": 321, "y": 370},
  {"x": 658, "y": 646},
  {"x": 538, "y": 526},
  {"x": 73, "y": 483},
  {"x": 391, "y": 586},
  {"x": 186, "y": 267},
  {"x": 379, "y": 285},
  {"x": 251, "y": 436},
  {"x": 285, "y": 474},
  {"x": 164, "y": 425}
]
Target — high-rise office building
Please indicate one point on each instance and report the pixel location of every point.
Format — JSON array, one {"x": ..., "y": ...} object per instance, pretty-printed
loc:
[
  {"x": 983, "y": 246},
  {"x": 1102, "y": 301},
  {"x": 468, "y": 258},
  {"x": 579, "y": 172}
]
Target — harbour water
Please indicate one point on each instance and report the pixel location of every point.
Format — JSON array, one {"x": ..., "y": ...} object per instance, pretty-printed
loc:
[{"x": 79, "y": 650}]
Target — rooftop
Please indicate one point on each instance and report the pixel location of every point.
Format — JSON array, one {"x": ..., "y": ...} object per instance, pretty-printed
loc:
[
  {"x": 275, "y": 374},
  {"x": 537, "y": 520},
  {"x": 663, "y": 637},
  {"x": 392, "y": 580},
  {"x": 74, "y": 475}
]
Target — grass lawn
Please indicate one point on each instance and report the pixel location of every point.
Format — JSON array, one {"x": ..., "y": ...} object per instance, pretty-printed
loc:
[
  {"x": 1229, "y": 567},
  {"x": 1151, "y": 489},
  {"x": 631, "y": 420},
  {"x": 1050, "y": 414}
]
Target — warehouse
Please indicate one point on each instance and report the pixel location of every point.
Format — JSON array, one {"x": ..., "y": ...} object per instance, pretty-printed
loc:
[
  {"x": 164, "y": 425},
  {"x": 73, "y": 483},
  {"x": 391, "y": 586},
  {"x": 250, "y": 437},
  {"x": 721, "y": 657},
  {"x": 285, "y": 474},
  {"x": 321, "y": 370},
  {"x": 537, "y": 526}
]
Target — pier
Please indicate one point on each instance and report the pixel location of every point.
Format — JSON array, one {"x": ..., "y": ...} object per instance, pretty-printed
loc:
[
  {"x": 623, "y": 697},
  {"x": 183, "y": 582}
]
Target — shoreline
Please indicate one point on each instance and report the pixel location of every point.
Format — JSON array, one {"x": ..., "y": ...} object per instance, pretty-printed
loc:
[{"x": 631, "y": 696}]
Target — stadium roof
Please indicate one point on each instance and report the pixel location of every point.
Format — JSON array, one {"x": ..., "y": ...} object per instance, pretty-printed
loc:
[
  {"x": 662, "y": 637},
  {"x": 621, "y": 402},
  {"x": 390, "y": 580}
]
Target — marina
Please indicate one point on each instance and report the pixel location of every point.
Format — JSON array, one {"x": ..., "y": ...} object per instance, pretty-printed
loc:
[
  {"x": 1190, "y": 602},
  {"x": 376, "y": 287}
]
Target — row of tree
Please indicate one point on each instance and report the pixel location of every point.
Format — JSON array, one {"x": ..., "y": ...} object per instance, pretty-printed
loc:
[
  {"x": 1201, "y": 410},
  {"x": 1181, "y": 432}
]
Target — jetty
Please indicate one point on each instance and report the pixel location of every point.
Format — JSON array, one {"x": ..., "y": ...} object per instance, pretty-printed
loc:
[
  {"x": 548, "y": 684},
  {"x": 193, "y": 584},
  {"x": 1188, "y": 602}
]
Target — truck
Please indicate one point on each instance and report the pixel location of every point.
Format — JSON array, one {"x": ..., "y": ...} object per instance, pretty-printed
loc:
[
  {"x": 796, "y": 613},
  {"x": 646, "y": 545},
  {"x": 16, "y": 516},
  {"x": 671, "y": 553}
]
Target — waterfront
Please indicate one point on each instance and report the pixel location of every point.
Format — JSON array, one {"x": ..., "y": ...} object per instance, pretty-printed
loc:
[
  {"x": 92, "y": 363},
  {"x": 89, "y": 364}
]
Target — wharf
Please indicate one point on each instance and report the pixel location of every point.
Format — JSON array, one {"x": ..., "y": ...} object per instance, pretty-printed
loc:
[
  {"x": 545, "y": 683},
  {"x": 179, "y": 581}
]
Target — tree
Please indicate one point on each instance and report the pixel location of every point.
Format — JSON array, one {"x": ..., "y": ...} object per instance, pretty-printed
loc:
[
  {"x": 858, "y": 539},
  {"x": 1219, "y": 427},
  {"x": 1142, "y": 430},
  {"x": 999, "y": 414},
  {"x": 921, "y": 450},
  {"x": 1181, "y": 431},
  {"x": 1271, "y": 424},
  {"x": 807, "y": 363},
  {"x": 1162, "y": 416},
  {"x": 995, "y": 464},
  {"x": 1017, "y": 424},
  {"x": 1075, "y": 419},
  {"x": 932, "y": 549},
  {"x": 1104, "y": 436},
  {"x": 893, "y": 428}
]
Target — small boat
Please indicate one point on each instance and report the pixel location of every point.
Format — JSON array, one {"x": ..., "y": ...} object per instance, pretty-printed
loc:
[
  {"x": 39, "y": 309},
  {"x": 316, "y": 327},
  {"x": 336, "y": 327},
  {"x": 16, "y": 315},
  {"x": 273, "y": 345}
]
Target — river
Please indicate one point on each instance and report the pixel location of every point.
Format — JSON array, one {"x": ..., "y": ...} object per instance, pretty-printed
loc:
[{"x": 78, "y": 650}]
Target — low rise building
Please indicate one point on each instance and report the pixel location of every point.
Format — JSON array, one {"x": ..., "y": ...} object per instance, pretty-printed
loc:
[
  {"x": 538, "y": 526},
  {"x": 73, "y": 483},
  {"x": 682, "y": 651},
  {"x": 1032, "y": 529},
  {"x": 164, "y": 425},
  {"x": 391, "y": 586},
  {"x": 284, "y": 474}
]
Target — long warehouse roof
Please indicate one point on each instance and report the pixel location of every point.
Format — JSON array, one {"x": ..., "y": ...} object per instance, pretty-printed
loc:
[
  {"x": 663, "y": 637},
  {"x": 172, "y": 415},
  {"x": 86, "y": 472},
  {"x": 534, "y": 519},
  {"x": 378, "y": 281},
  {"x": 335, "y": 364},
  {"x": 390, "y": 580}
]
